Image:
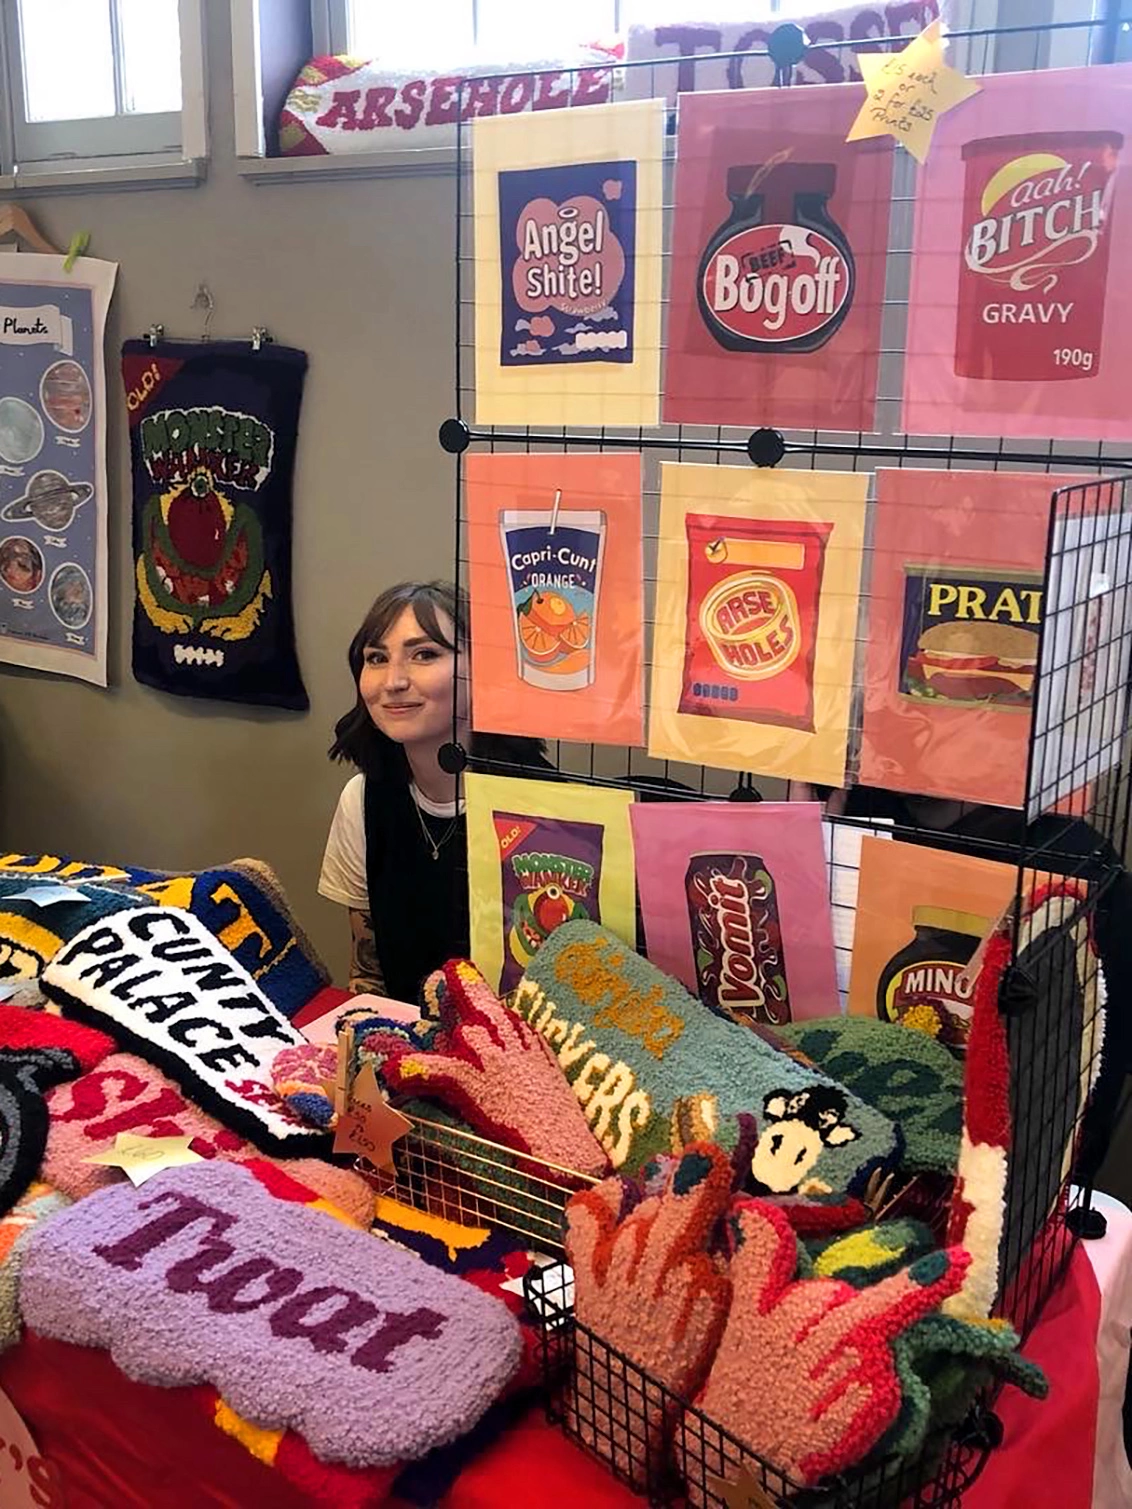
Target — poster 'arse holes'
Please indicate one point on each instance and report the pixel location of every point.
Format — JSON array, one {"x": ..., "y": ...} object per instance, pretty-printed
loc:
[{"x": 756, "y": 620}]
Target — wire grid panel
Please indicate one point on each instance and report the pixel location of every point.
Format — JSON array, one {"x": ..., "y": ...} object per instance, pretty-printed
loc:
[
  {"x": 447, "y": 1172},
  {"x": 1077, "y": 761},
  {"x": 980, "y": 48},
  {"x": 672, "y": 1453}
]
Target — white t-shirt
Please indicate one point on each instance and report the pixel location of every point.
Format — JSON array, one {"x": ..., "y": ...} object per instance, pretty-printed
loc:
[{"x": 343, "y": 876}]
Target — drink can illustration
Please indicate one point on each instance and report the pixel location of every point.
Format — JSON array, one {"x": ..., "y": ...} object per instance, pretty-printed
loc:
[
  {"x": 554, "y": 565},
  {"x": 737, "y": 938},
  {"x": 1037, "y": 215}
]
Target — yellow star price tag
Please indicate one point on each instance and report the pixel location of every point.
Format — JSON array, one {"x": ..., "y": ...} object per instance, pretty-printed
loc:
[
  {"x": 907, "y": 92},
  {"x": 142, "y": 1157},
  {"x": 369, "y": 1125},
  {"x": 746, "y": 1492}
]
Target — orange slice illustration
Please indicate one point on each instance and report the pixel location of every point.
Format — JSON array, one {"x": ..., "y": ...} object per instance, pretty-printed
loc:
[
  {"x": 550, "y": 611},
  {"x": 576, "y": 636},
  {"x": 538, "y": 644}
]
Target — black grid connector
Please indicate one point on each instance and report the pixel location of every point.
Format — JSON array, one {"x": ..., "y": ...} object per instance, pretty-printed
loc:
[
  {"x": 766, "y": 447},
  {"x": 455, "y": 437}
]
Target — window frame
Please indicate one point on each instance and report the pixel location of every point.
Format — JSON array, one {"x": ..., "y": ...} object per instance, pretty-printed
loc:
[
  {"x": 330, "y": 24},
  {"x": 123, "y": 145}
]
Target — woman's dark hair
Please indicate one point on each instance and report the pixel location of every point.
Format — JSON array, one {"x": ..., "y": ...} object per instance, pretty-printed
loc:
[{"x": 359, "y": 741}]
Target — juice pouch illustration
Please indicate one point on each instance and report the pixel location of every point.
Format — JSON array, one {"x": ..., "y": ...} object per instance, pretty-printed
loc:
[
  {"x": 737, "y": 938},
  {"x": 1037, "y": 212},
  {"x": 551, "y": 870},
  {"x": 554, "y": 572},
  {"x": 754, "y": 588}
]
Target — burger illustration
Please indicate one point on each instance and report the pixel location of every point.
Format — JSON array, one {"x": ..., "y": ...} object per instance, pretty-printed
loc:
[{"x": 974, "y": 662}]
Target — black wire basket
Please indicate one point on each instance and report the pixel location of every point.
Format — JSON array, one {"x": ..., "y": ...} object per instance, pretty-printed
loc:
[{"x": 661, "y": 1446}]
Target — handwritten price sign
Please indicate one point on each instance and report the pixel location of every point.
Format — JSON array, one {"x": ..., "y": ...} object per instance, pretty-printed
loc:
[
  {"x": 26, "y": 1480},
  {"x": 908, "y": 92},
  {"x": 369, "y": 1126}
]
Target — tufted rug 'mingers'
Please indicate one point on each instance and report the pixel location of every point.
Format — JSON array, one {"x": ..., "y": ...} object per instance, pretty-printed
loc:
[
  {"x": 202, "y": 1276},
  {"x": 655, "y": 1071}
]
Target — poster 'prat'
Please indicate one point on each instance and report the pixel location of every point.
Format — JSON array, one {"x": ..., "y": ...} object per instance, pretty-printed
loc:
[
  {"x": 758, "y": 581},
  {"x": 541, "y": 854},
  {"x": 1020, "y": 312},
  {"x": 955, "y": 614},
  {"x": 554, "y": 544},
  {"x": 568, "y": 220}
]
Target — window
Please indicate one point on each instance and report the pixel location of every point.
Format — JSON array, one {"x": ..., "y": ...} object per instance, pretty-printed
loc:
[
  {"x": 91, "y": 80},
  {"x": 506, "y": 31}
]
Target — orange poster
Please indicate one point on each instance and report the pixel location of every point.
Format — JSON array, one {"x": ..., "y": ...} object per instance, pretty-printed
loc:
[
  {"x": 921, "y": 914},
  {"x": 554, "y": 544}
]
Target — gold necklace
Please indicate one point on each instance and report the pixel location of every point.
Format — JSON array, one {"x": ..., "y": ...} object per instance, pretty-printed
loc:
[{"x": 434, "y": 845}]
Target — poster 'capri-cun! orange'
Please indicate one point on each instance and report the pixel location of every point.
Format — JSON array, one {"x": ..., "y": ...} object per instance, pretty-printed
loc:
[{"x": 557, "y": 614}]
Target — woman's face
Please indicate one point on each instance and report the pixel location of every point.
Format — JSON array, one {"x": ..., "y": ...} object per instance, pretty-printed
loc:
[{"x": 406, "y": 682}]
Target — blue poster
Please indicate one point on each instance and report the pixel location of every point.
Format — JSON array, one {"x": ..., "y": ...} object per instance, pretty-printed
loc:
[
  {"x": 567, "y": 249},
  {"x": 53, "y": 465}
]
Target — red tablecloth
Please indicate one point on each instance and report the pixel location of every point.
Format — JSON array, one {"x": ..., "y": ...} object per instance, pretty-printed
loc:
[{"x": 123, "y": 1445}]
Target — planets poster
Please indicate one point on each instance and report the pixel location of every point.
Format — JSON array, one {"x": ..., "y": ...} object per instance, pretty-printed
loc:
[
  {"x": 53, "y": 498},
  {"x": 554, "y": 547}
]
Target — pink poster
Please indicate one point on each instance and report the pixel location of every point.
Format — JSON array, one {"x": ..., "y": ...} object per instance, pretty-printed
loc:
[
  {"x": 735, "y": 904},
  {"x": 954, "y": 617},
  {"x": 778, "y": 261},
  {"x": 1020, "y": 311}
]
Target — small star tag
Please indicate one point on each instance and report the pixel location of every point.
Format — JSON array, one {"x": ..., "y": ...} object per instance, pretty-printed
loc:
[{"x": 907, "y": 92}]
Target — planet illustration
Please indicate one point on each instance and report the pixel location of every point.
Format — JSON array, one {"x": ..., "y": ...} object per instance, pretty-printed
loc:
[
  {"x": 21, "y": 564},
  {"x": 50, "y": 499},
  {"x": 21, "y": 431},
  {"x": 64, "y": 393},
  {"x": 70, "y": 595}
]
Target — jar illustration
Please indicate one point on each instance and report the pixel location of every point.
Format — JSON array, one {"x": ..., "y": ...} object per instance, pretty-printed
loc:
[
  {"x": 778, "y": 275},
  {"x": 929, "y": 974},
  {"x": 1037, "y": 212}
]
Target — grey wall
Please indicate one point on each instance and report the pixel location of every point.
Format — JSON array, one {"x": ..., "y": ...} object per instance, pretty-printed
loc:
[{"x": 360, "y": 275}]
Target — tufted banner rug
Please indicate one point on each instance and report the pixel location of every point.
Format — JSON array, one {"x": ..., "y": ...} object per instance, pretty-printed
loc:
[{"x": 656, "y": 1071}]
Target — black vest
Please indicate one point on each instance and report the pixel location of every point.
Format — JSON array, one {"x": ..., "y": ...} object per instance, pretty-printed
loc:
[{"x": 418, "y": 904}]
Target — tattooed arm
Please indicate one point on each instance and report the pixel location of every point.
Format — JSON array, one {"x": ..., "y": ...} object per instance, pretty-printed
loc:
[{"x": 365, "y": 967}]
